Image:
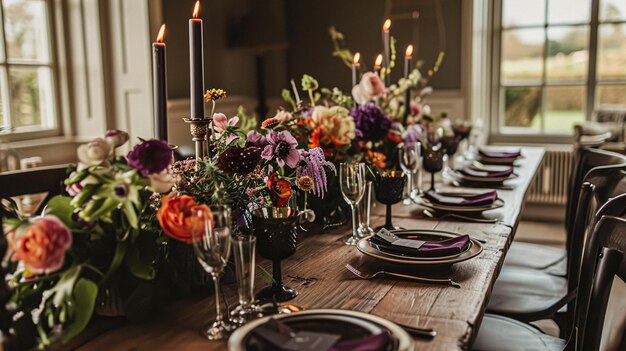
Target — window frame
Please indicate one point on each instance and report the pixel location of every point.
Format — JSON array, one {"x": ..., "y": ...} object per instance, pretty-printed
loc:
[
  {"x": 54, "y": 42},
  {"x": 499, "y": 133}
]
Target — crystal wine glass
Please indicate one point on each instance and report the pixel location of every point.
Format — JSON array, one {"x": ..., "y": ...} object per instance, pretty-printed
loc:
[
  {"x": 409, "y": 155},
  {"x": 244, "y": 249},
  {"x": 211, "y": 235},
  {"x": 352, "y": 184}
]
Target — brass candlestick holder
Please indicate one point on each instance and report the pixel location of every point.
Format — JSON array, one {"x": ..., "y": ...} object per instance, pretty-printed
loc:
[{"x": 199, "y": 127}]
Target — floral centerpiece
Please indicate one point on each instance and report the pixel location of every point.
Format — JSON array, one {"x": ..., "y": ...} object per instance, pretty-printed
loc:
[{"x": 103, "y": 235}]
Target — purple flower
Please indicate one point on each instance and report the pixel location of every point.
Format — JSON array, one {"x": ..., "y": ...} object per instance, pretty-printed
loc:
[
  {"x": 282, "y": 147},
  {"x": 371, "y": 122},
  {"x": 255, "y": 138},
  {"x": 150, "y": 157},
  {"x": 413, "y": 134},
  {"x": 312, "y": 164}
]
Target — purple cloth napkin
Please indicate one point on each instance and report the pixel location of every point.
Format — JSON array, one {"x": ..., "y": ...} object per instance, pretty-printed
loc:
[
  {"x": 439, "y": 248},
  {"x": 500, "y": 154},
  {"x": 485, "y": 174},
  {"x": 376, "y": 342},
  {"x": 460, "y": 199}
]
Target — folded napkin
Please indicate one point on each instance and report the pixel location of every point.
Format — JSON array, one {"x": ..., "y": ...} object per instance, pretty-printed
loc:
[
  {"x": 475, "y": 199},
  {"x": 439, "y": 248},
  {"x": 377, "y": 342},
  {"x": 485, "y": 174},
  {"x": 499, "y": 154},
  {"x": 275, "y": 335}
]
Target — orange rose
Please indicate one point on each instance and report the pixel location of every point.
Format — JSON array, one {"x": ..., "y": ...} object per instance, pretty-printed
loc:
[
  {"x": 280, "y": 190},
  {"x": 178, "y": 216},
  {"x": 42, "y": 245}
]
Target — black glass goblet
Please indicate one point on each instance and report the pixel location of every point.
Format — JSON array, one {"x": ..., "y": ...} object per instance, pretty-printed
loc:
[
  {"x": 462, "y": 129},
  {"x": 450, "y": 144},
  {"x": 433, "y": 163},
  {"x": 389, "y": 190},
  {"x": 276, "y": 230}
]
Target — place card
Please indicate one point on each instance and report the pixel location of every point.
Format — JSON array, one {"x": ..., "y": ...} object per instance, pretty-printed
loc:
[{"x": 393, "y": 240}]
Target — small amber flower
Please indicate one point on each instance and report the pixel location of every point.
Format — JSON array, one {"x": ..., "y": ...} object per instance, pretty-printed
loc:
[
  {"x": 270, "y": 123},
  {"x": 214, "y": 94},
  {"x": 305, "y": 183}
]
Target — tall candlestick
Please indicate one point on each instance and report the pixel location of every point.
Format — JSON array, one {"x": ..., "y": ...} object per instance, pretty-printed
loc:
[
  {"x": 408, "y": 58},
  {"x": 196, "y": 64},
  {"x": 159, "y": 86},
  {"x": 355, "y": 68},
  {"x": 387, "y": 49},
  {"x": 378, "y": 64}
]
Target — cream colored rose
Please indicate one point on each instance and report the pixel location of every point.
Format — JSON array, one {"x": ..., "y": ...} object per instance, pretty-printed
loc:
[
  {"x": 94, "y": 152},
  {"x": 336, "y": 124},
  {"x": 369, "y": 88},
  {"x": 162, "y": 182},
  {"x": 283, "y": 116}
]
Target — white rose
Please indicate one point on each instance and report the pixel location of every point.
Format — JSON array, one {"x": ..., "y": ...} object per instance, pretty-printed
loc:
[
  {"x": 359, "y": 95},
  {"x": 162, "y": 182},
  {"x": 95, "y": 152},
  {"x": 116, "y": 137}
]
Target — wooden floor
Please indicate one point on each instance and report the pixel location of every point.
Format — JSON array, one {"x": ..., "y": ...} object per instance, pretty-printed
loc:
[{"x": 553, "y": 233}]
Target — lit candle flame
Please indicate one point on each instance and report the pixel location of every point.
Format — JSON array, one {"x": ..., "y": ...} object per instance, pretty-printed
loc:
[
  {"x": 356, "y": 59},
  {"x": 159, "y": 38},
  {"x": 409, "y": 51},
  {"x": 379, "y": 61},
  {"x": 387, "y": 25},
  {"x": 196, "y": 9}
]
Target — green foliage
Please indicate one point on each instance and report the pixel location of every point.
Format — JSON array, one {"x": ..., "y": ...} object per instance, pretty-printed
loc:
[{"x": 84, "y": 300}]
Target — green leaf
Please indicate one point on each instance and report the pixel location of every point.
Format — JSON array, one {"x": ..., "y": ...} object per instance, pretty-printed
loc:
[
  {"x": 85, "y": 294},
  {"x": 61, "y": 207},
  {"x": 118, "y": 257},
  {"x": 131, "y": 214},
  {"x": 140, "y": 263},
  {"x": 85, "y": 194},
  {"x": 65, "y": 285}
]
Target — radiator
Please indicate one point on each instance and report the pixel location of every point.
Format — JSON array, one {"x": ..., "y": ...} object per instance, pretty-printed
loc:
[{"x": 550, "y": 184}]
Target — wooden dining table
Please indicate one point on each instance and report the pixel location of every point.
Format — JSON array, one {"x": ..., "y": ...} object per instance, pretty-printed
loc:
[{"x": 317, "y": 271}]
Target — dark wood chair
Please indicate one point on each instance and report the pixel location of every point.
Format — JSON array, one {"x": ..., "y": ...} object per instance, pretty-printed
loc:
[
  {"x": 32, "y": 181},
  {"x": 603, "y": 259},
  {"x": 530, "y": 295},
  {"x": 6, "y": 313}
]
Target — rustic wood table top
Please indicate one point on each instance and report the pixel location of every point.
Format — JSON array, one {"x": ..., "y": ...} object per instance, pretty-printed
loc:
[{"x": 317, "y": 271}]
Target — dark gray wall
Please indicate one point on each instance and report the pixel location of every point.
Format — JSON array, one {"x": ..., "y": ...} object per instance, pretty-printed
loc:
[{"x": 306, "y": 24}]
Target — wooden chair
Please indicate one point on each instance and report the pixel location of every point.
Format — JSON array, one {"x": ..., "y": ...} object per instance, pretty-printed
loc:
[
  {"x": 550, "y": 259},
  {"x": 530, "y": 295},
  {"x": 603, "y": 259},
  {"x": 32, "y": 181},
  {"x": 5, "y": 295}
]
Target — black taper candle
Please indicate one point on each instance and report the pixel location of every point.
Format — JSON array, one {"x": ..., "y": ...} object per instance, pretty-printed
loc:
[
  {"x": 196, "y": 65},
  {"x": 408, "y": 59},
  {"x": 159, "y": 81}
]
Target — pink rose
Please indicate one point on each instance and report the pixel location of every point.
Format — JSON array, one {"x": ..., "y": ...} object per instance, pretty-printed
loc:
[{"x": 42, "y": 245}]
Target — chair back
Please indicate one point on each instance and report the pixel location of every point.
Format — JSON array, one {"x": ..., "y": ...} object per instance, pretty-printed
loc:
[
  {"x": 32, "y": 181},
  {"x": 606, "y": 260},
  {"x": 586, "y": 157},
  {"x": 603, "y": 171}
]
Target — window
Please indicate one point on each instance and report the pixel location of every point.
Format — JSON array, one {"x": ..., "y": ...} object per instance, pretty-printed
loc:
[
  {"x": 26, "y": 67},
  {"x": 559, "y": 61}
]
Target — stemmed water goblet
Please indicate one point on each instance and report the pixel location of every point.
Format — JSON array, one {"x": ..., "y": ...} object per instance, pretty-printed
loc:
[
  {"x": 450, "y": 144},
  {"x": 365, "y": 207},
  {"x": 409, "y": 155},
  {"x": 389, "y": 190},
  {"x": 352, "y": 184},
  {"x": 462, "y": 129},
  {"x": 211, "y": 236}
]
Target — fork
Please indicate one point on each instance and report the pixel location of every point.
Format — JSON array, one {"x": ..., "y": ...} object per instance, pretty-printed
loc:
[
  {"x": 368, "y": 276},
  {"x": 467, "y": 218}
]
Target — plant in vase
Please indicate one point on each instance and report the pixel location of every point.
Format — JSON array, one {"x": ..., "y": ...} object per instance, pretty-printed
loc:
[{"x": 101, "y": 237}]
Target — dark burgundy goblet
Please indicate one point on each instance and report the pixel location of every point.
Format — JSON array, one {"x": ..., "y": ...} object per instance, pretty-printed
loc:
[
  {"x": 276, "y": 230},
  {"x": 389, "y": 190},
  {"x": 433, "y": 163}
]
